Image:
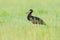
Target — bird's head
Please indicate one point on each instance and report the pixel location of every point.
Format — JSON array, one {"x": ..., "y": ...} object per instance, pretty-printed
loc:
[{"x": 30, "y": 11}]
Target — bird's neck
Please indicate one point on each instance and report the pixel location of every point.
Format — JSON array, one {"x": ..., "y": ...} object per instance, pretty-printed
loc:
[{"x": 29, "y": 14}]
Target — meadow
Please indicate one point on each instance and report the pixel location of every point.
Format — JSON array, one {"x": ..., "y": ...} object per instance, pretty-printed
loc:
[{"x": 15, "y": 26}]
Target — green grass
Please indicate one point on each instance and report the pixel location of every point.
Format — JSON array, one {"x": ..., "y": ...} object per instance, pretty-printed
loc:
[{"x": 15, "y": 26}]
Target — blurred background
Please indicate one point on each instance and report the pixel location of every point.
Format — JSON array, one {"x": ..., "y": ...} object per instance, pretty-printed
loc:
[{"x": 15, "y": 26}]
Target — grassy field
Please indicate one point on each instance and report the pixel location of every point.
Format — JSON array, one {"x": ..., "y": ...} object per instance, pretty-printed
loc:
[{"x": 15, "y": 26}]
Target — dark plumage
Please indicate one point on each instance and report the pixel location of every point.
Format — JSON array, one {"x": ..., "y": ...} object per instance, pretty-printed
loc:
[{"x": 33, "y": 19}]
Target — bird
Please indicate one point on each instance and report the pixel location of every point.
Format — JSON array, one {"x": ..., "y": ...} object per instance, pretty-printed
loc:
[{"x": 34, "y": 19}]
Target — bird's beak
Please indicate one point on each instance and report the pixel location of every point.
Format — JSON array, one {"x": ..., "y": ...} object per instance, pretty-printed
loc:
[{"x": 26, "y": 12}]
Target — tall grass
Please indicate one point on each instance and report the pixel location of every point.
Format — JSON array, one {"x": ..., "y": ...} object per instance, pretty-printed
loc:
[{"x": 15, "y": 26}]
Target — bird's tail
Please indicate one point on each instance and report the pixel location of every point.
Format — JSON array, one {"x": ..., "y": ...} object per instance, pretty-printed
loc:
[{"x": 44, "y": 23}]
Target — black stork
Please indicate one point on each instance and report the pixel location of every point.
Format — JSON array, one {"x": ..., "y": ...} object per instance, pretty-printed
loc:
[{"x": 33, "y": 19}]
